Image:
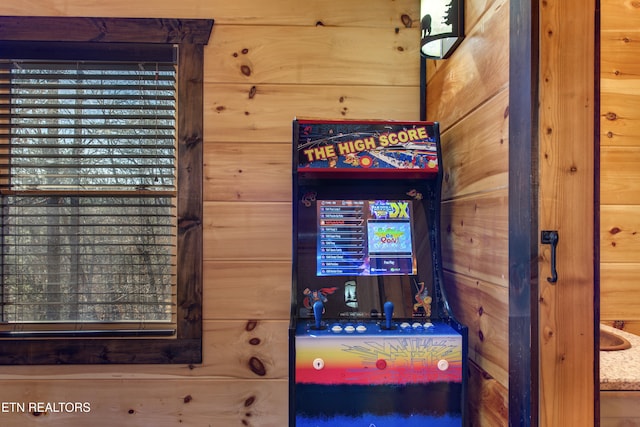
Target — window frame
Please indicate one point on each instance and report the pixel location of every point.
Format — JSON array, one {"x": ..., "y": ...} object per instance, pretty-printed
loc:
[{"x": 191, "y": 35}]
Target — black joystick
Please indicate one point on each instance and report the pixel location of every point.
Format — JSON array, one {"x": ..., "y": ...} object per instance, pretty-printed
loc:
[
  {"x": 318, "y": 308},
  {"x": 388, "y": 314}
]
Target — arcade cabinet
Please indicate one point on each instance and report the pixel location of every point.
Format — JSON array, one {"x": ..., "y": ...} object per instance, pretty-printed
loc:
[{"x": 372, "y": 338}]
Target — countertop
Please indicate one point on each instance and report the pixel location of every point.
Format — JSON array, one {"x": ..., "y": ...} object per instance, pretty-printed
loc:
[{"x": 620, "y": 370}]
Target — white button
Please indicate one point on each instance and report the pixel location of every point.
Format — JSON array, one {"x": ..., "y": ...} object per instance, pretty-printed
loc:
[
  {"x": 404, "y": 325},
  {"x": 349, "y": 328},
  {"x": 416, "y": 325},
  {"x": 443, "y": 365},
  {"x": 361, "y": 328},
  {"x": 318, "y": 364},
  {"x": 336, "y": 328},
  {"x": 428, "y": 325}
]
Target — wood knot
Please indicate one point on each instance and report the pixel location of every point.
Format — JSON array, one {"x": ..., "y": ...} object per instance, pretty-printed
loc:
[
  {"x": 615, "y": 230},
  {"x": 246, "y": 70},
  {"x": 406, "y": 20},
  {"x": 249, "y": 401},
  {"x": 251, "y": 325},
  {"x": 257, "y": 367},
  {"x": 187, "y": 398},
  {"x": 252, "y": 92},
  {"x": 611, "y": 116}
]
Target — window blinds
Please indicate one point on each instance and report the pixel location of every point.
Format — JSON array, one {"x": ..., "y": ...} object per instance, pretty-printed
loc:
[{"x": 88, "y": 188}]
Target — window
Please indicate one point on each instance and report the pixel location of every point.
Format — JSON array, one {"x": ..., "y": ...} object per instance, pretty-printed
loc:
[{"x": 101, "y": 190}]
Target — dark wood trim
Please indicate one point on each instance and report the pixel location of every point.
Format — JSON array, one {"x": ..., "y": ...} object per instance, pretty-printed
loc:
[
  {"x": 596, "y": 215},
  {"x": 186, "y": 346},
  {"x": 105, "y": 30},
  {"x": 190, "y": 149},
  {"x": 523, "y": 213}
]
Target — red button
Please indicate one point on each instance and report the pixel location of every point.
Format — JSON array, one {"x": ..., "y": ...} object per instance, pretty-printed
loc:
[{"x": 381, "y": 364}]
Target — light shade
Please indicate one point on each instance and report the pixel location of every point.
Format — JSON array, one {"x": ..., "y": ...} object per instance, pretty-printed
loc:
[{"x": 442, "y": 27}]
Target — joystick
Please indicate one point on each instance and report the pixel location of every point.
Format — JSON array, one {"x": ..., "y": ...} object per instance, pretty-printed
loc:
[
  {"x": 388, "y": 314},
  {"x": 318, "y": 308}
]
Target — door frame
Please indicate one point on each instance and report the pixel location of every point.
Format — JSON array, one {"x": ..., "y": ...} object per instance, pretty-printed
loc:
[
  {"x": 533, "y": 398},
  {"x": 523, "y": 213}
]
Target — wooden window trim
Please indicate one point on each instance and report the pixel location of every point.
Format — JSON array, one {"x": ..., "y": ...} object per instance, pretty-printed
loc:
[{"x": 191, "y": 35}]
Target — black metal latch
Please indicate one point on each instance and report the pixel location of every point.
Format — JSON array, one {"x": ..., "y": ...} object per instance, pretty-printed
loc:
[{"x": 550, "y": 237}]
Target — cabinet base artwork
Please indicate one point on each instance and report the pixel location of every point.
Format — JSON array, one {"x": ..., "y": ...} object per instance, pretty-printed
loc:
[{"x": 408, "y": 376}]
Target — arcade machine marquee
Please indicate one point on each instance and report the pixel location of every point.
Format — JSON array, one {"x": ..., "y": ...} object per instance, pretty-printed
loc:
[{"x": 372, "y": 340}]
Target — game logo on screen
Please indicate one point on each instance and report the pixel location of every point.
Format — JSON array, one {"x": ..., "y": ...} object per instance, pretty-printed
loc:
[{"x": 365, "y": 238}]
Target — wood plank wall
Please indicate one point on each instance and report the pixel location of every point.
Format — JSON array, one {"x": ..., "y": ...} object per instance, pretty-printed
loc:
[
  {"x": 620, "y": 188},
  {"x": 468, "y": 94},
  {"x": 619, "y": 165},
  {"x": 268, "y": 62}
]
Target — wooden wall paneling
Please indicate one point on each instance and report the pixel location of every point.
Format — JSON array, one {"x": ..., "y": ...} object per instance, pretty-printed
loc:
[
  {"x": 468, "y": 95},
  {"x": 483, "y": 308},
  {"x": 619, "y": 236},
  {"x": 488, "y": 404},
  {"x": 247, "y": 231},
  {"x": 247, "y": 172},
  {"x": 479, "y": 70},
  {"x": 474, "y": 237},
  {"x": 475, "y": 14},
  {"x": 620, "y": 177},
  {"x": 326, "y": 60},
  {"x": 619, "y": 122},
  {"x": 618, "y": 15},
  {"x": 619, "y": 408},
  {"x": 620, "y": 292},
  {"x": 251, "y": 349},
  {"x": 274, "y": 12},
  {"x": 313, "y": 55},
  {"x": 203, "y": 402},
  {"x": 618, "y": 52},
  {"x": 247, "y": 289},
  {"x": 475, "y": 150},
  {"x": 258, "y": 113}
]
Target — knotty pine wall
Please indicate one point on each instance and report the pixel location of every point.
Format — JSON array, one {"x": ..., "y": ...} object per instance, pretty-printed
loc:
[
  {"x": 620, "y": 165},
  {"x": 469, "y": 95},
  {"x": 267, "y": 62}
]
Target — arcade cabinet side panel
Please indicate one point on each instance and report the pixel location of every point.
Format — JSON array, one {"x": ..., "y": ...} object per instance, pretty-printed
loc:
[{"x": 294, "y": 282}]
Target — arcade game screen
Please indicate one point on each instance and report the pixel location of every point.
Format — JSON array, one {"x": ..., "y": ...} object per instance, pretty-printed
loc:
[
  {"x": 355, "y": 254},
  {"x": 365, "y": 237}
]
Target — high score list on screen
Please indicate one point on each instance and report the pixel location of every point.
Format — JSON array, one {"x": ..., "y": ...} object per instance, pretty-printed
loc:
[{"x": 365, "y": 237}]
